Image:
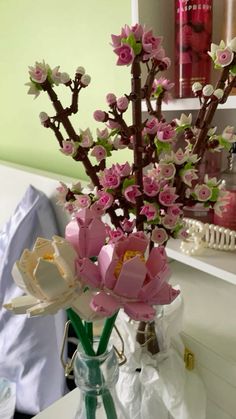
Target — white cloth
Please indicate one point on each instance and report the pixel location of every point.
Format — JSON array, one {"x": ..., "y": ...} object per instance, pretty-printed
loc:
[{"x": 163, "y": 389}]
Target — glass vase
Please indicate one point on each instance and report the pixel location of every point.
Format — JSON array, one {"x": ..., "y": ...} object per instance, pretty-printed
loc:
[{"x": 96, "y": 378}]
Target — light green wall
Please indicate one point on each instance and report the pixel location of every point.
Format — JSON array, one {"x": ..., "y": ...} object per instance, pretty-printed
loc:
[{"x": 69, "y": 33}]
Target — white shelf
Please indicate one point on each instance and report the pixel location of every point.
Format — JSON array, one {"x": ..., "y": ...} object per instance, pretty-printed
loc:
[
  {"x": 214, "y": 262},
  {"x": 191, "y": 104}
]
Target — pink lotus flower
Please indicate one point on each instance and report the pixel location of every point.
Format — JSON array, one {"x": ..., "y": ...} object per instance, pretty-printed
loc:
[
  {"x": 122, "y": 103},
  {"x": 99, "y": 152},
  {"x": 159, "y": 236},
  {"x": 150, "y": 186},
  {"x": 224, "y": 57},
  {"x": 127, "y": 280},
  {"x": 167, "y": 197},
  {"x": 125, "y": 54},
  {"x": 100, "y": 116},
  {"x": 150, "y": 211},
  {"x": 203, "y": 192},
  {"x": 131, "y": 193},
  {"x": 86, "y": 233},
  {"x": 105, "y": 199}
]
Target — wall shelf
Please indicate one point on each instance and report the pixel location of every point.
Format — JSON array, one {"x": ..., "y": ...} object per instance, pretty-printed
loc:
[
  {"x": 189, "y": 104},
  {"x": 214, "y": 262}
]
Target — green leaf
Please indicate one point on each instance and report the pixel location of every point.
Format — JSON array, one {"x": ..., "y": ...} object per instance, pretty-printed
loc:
[
  {"x": 162, "y": 147},
  {"x": 137, "y": 48},
  {"x": 128, "y": 182},
  {"x": 215, "y": 194},
  {"x": 224, "y": 143},
  {"x": 158, "y": 91},
  {"x": 233, "y": 70}
]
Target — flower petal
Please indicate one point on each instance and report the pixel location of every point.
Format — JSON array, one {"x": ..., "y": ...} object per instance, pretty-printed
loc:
[
  {"x": 50, "y": 280},
  {"x": 104, "y": 304},
  {"x": 131, "y": 278},
  {"x": 139, "y": 311}
]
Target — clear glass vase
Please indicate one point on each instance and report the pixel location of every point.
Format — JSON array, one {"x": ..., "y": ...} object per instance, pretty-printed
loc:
[{"x": 96, "y": 378}]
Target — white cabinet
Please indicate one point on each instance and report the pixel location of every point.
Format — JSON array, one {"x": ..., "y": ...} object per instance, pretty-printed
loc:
[{"x": 209, "y": 327}]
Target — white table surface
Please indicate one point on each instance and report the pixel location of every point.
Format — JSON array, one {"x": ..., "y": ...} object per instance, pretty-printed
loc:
[{"x": 64, "y": 408}]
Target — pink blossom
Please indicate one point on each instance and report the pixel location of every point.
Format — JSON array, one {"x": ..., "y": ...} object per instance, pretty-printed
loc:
[
  {"x": 224, "y": 57},
  {"x": 111, "y": 99},
  {"x": 115, "y": 235},
  {"x": 203, "y": 192},
  {"x": 68, "y": 147},
  {"x": 170, "y": 221},
  {"x": 109, "y": 179},
  {"x": 86, "y": 138},
  {"x": 105, "y": 199},
  {"x": 99, "y": 152},
  {"x": 151, "y": 42},
  {"x": 97, "y": 209},
  {"x": 69, "y": 207},
  {"x": 188, "y": 176},
  {"x": 102, "y": 134},
  {"x": 167, "y": 62},
  {"x": 150, "y": 186},
  {"x": 131, "y": 193},
  {"x": 125, "y": 54},
  {"x": 82, "y": 201},
  {"x": 182, "y": 234},
  {"x": 180, "y": 157},
  {"x": 174, "y": 210},
  {"x": 127, "y": 225},
  {"x": 39, "y": 72},
  {"x": 150, "y": 211},
  {"x": 159, "y": 235},
  {"x": 118, "y": 143},
  {"x": 136, "y": 30},
  {"x": 112, "y": 124},
  {"x": 165, "y": 132},
  {"x": 151, "y": 126},
  {"x": 100, "y": 116},
  {"x": 126, "y": 280},
  {"x": 116, "y": 39},
  {"x": 122, "y": 103},
  {"x": 62, "y": 192},
  {"x": 123, "y": 169},
  {"x": 167, "y": 197},
  {"x": 167, "y": 170},
  {"x": 86, "y": 233}
]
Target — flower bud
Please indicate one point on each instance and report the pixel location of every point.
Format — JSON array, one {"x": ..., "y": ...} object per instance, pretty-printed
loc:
[
  {"x": 207, "y": 90},
  {"x": 122, "y": 103},
  {"x": 196, "y": 87},
  {"x": 85, "y": 80},
  {"x": 43, "y": 116},
  {"x": 100, "y": 116},
  {"x": 80, "y": 70},
  {"x": 65, "y": 78},
  {"x": 111, "y": 99},
  {"x": 218, "y": 93}
]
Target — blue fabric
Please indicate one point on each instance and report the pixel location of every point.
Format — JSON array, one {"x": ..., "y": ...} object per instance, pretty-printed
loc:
[{"x": 29, "y": 348}]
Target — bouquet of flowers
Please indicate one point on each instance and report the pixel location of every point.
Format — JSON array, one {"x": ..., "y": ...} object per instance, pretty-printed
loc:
[{"x": 113, "y": 254}]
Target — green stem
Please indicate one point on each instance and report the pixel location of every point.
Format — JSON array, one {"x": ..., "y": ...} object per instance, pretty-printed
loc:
[
  {"x": 106, "y": 333},
  {"x": 81, "y": 332},
  {"x": 109, "y": 405},
  {"x": 90, "y": 404},
  {"x": 89, "y": 330}
]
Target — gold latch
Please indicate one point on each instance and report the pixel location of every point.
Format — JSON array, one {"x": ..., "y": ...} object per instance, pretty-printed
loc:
[{"x": 189, "y": 359}]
